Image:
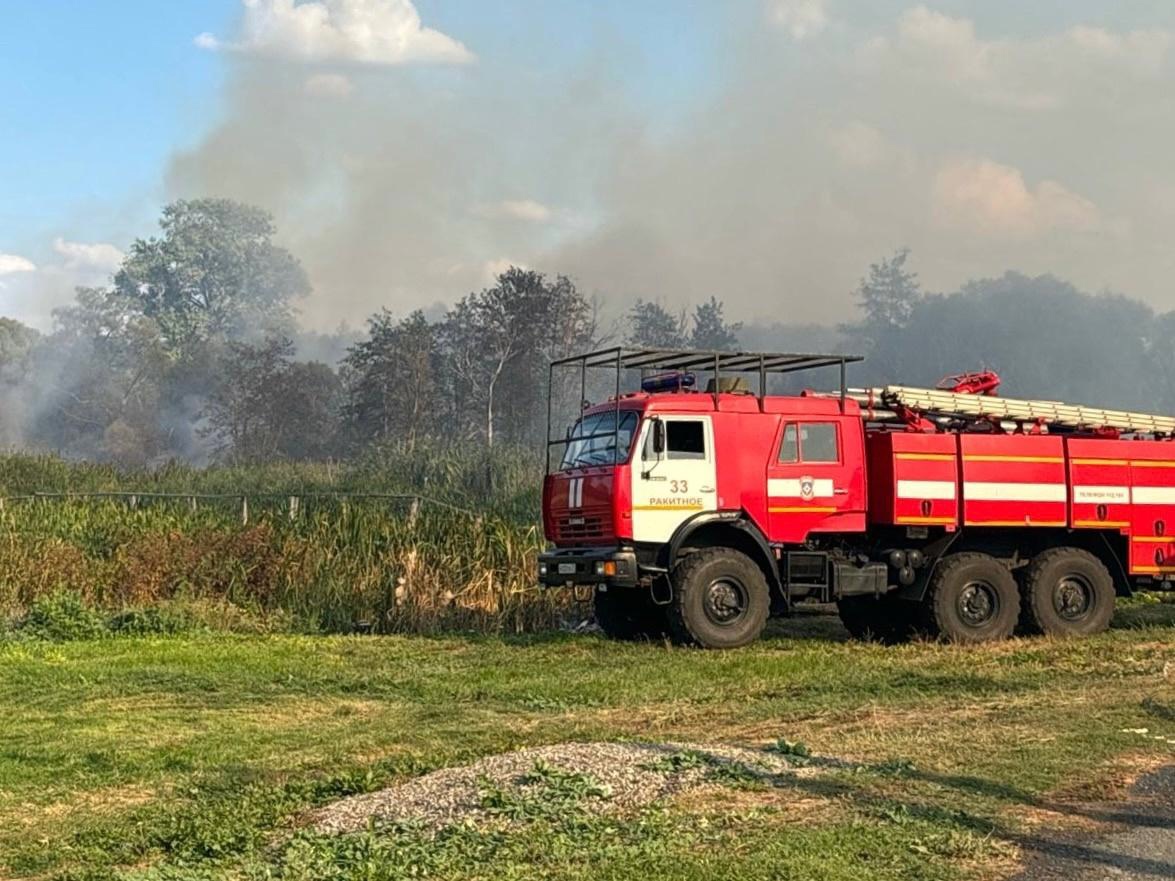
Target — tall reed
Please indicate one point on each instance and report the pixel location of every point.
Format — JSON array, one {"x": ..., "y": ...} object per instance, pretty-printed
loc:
[{"x": 286, "y": 540}]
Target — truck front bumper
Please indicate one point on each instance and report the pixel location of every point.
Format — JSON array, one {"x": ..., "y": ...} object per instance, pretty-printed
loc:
[{"x": 567, "y": 567}]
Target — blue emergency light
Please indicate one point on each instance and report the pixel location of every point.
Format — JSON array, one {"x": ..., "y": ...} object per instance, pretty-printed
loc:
[{"x": 668, "y": 382}]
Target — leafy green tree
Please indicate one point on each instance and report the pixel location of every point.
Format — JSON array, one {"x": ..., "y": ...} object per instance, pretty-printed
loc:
[
  {"x": 887, "y": 296},
  {"x": 268, "y": 406},
  {"x": 711, "y": 330},
  {"x": 651, "y": 324},
  {"x": 16, "y": 341},
  {"x": 215, "y": 274},
  {"x": 130, "y": 367},
  {"x": 17, "y": 379},
  {"x": 390, "y": 379},
  {"x": 497, "y": 344},
  {"x": 100, "y": 379}
]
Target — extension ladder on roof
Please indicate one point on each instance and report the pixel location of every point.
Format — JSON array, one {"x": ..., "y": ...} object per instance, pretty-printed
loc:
[{"x": 954, "y": 404}]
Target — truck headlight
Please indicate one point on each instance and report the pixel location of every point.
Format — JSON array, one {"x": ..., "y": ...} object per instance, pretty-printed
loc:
[
  {"x": 542, "y": 568},
  {"x": 605, "y": 567}
]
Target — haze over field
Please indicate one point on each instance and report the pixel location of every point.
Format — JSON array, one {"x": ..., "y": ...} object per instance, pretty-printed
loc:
[{"x": 765, "y": 151}]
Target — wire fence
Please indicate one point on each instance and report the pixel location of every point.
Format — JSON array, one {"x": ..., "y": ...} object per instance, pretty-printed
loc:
[{"x": 291, "y": 501}]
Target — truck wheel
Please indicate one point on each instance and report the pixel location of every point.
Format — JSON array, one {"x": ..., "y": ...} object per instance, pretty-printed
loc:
[
  {"x": 720, "y": 599},
  {"x": 629, "y": 614},
  {"x": 886, "y": 619},
  {"x": 972, "y": 598},
  {"x": 1067, "y": 592}
]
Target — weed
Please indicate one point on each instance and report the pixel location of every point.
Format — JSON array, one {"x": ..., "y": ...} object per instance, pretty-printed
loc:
[
  {"x": 154, "y": 620},
  {"x": 676, "y": 763},
  {"x": 60, "y": 617},
  {"x": 791, "y": 748},
  {"x": 544, "y": 793}
]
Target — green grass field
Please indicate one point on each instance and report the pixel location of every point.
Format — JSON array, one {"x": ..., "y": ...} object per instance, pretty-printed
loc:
[{"x": 196, "y": 756}]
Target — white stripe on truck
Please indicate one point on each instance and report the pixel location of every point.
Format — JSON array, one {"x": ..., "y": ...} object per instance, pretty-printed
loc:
[
  {"x": 983, "y": 491},
  {"x": 926, "y": 489}
]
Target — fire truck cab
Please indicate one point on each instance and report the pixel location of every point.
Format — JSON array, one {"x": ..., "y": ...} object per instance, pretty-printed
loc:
[{"x": 697, "y": 513}]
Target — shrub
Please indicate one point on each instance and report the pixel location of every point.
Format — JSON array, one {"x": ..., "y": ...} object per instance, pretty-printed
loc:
[
  {"x": 153, "y": 620},
  {"x": 62, "y": 616}
]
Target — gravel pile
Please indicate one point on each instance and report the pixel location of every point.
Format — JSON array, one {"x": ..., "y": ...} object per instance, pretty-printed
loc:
[{"x": 622, "y": 776}]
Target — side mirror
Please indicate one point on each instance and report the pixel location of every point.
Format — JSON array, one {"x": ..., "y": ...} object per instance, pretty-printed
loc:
[{"x": 658, "y": 436}]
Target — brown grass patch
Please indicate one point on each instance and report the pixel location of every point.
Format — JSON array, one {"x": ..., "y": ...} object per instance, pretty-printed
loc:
[
  {"x": 94, "y": 802},
  {"x": 786, "y": 806}
]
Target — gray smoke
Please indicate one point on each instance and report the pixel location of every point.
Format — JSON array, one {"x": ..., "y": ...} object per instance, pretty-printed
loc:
[{"x": 823, "y": 143}]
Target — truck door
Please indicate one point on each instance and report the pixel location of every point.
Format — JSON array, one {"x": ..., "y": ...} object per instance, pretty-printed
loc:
[
  {"x": 676, "y": 483},
  {"x": 815, "y": 479}
]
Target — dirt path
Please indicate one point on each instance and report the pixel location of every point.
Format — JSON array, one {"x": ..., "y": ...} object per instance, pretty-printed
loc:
[{"x": 1138, "y": 841}]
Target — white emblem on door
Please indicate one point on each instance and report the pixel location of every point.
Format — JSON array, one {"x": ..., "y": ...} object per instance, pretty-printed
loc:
[{"x": 807, "y": 488}]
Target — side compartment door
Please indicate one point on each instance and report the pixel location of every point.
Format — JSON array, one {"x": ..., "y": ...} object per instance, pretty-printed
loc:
[
  {"x": 815, "y": 479},
  {"x": 676, "y": 483},
  {"x": 1152, "y": 494}
]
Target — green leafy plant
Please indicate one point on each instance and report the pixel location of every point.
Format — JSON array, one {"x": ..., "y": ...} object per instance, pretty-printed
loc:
[
  {"x": 791, "y": 748},
  {"x": 61, "y": 617}
]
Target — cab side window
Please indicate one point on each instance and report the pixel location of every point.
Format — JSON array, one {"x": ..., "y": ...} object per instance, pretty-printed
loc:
[
  {"x": 818, "y": 442},
  {"x": 685, "y": 439},
  {"x": 789, "y": 449}
]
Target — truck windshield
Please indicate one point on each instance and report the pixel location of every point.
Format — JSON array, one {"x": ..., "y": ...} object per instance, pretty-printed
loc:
[{"x": 594, "y": 440}]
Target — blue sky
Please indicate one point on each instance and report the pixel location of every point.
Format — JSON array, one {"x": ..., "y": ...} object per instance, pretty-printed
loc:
[
  {"x": 100, "y": 94},
  {"x": 765, "y": 150},
  {"x": 97, "y": 95}
]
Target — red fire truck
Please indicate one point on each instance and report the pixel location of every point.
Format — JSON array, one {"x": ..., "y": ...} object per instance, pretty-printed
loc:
[{"x": 949, "y": 511}]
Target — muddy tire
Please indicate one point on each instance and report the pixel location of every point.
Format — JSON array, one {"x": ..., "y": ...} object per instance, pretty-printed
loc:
[
  {"x": 886, "y": 619},
  {"x": 720, "y": 600},
  {"x": 1066, "y": 592},
  {"x": 629, "y": 613},
  {"x": 972, "y": 598}
]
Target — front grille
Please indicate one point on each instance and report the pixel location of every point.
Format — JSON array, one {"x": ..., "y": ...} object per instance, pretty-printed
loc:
[{"x": 583, "y": 527}]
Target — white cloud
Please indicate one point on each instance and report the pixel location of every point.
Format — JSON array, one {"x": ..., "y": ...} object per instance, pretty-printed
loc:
[
  {"x": 10, "y": 264},
  {"x": 1026, "y": 73},
  {"x": 994, "y": 200},
  {"x": 31, "y": 292},
  {"x": 329, "y": 85},
  {"x": 515, "y": 209},
  {"x": 365, "y": 31},
  {"x": 206, "y": 41},
  {"x": 82, "y": 256},
  {"x": 800, "y": 18}
]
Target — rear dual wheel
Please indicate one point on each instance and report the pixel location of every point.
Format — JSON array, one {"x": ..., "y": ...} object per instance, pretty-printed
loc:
[{"x": 1066, "y": 592}]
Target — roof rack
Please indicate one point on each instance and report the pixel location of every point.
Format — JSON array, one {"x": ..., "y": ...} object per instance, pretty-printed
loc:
[
  {"x": 686, "y": 359},
  {"x": 621, "y": 358}
]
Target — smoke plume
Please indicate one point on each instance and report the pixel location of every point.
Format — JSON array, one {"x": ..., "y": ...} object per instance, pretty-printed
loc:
[{"x": 821, "y": 144}]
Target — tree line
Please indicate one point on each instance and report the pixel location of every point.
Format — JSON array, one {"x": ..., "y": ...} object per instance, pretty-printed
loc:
[{"x": 193, "y": 351}]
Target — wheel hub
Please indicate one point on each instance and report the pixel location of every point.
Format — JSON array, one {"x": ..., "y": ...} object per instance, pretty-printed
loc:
[
  {"x": 1072, "y": 597},
  {"x": 726, "y": 601},
  {"x": 978, "y": 603}
]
